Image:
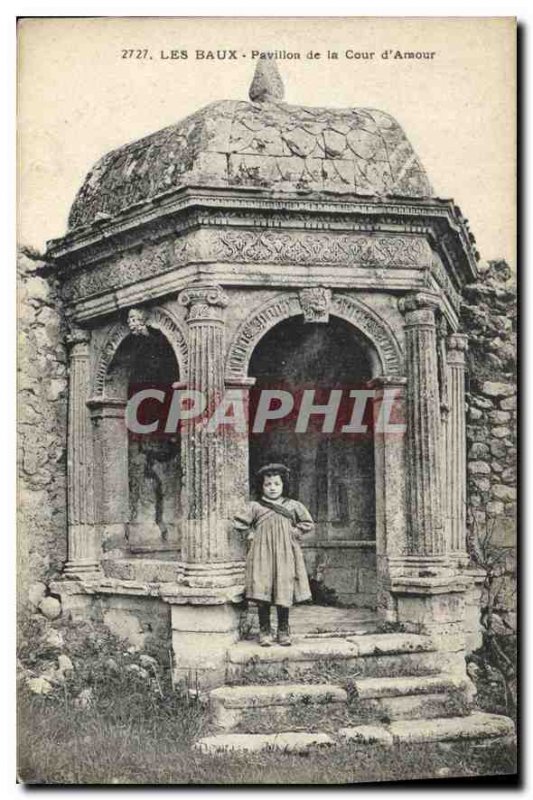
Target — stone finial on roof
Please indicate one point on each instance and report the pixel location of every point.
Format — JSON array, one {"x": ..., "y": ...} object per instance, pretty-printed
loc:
[{"x": 267, "y": 85}]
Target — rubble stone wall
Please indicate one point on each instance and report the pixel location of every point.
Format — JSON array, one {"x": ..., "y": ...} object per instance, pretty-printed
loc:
[
  {"x": 42, "y": 417},
  {"x": 490, "y": 319}
]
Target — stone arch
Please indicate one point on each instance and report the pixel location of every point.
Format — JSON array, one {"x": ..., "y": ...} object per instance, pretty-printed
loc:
[
  {"x": 158, "y": 318},
  {"x": 283, "y": 306}
]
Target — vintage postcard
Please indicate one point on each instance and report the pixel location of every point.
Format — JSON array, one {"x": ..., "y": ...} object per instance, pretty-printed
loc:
[{"x": 267, "y": 385}]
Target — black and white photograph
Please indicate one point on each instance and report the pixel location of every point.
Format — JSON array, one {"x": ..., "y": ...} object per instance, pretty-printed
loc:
[{"x": 266, "y": 400}]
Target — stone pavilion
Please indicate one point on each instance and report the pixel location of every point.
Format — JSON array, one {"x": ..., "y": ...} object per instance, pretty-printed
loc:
[{"x": 257, "y": 243}]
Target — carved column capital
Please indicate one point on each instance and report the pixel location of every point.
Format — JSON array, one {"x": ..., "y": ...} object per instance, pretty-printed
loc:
[
  {"x": 77, "y": 336},
  {"x": 420, "y": 308},
  {"x": 457, "y": 347},
  {"x": 204, "y": 302}
]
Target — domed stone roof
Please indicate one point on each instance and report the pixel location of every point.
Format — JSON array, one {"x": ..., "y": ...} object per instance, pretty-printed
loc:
[{"x": 264, "y": 143}]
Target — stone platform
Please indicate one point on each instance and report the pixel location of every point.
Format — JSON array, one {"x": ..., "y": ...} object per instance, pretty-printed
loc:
[{"x": 334, "y": 686}]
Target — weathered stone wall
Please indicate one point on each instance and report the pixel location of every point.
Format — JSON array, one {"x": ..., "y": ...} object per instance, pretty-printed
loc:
[
  {"x": 490, "y": 317},
  {"x": 42, "y": 416}
]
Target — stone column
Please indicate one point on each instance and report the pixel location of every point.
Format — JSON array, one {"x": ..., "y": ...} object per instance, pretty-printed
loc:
[
  {"x": 83, "y": 545},
  {"x": 238, "y": 460},
  {"x": 456, "y": 448},
  {"x": 205, "y": 552},
  {"x": 110, "y": 438},
  {"x": 429, "y": 595},
  {"x": 389, "y": 468},
  {"x": 425, "y": 536}
]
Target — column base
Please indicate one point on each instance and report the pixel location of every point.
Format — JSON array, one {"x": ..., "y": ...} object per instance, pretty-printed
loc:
[
  {"x": 420, "y": 567},
  {"x": 81, "y": 569},
  {"x": 213, "y": 575}
]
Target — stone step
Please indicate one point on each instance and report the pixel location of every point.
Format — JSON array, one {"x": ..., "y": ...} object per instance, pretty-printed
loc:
[
  {"x": 241, "y": 705},
  {"x": 367, "y": 688},
  {"x": 308, "y": 658},
  {"x": 478, "y": 727},
  {"x": 411, "y": 698}
]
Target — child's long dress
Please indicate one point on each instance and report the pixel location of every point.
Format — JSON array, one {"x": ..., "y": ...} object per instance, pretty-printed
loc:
[{"x": 275, "y": 567}]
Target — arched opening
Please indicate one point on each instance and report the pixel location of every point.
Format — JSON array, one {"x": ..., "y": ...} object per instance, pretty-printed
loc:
[
  {"x": 153, "y": 508},
  {"x": 332, "y": 473}
]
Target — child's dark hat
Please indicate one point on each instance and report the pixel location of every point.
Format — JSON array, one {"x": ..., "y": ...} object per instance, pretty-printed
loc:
[{"x": 281, "y": 468}]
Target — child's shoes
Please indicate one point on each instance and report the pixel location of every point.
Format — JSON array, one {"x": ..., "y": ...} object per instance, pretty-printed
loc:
[
  {"x": 284, "y": 638},
  {"x": 265, "y": 639}
]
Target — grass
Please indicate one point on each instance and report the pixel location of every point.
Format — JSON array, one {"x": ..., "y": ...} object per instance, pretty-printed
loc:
[
  {"x": 137, "y": 729},
  {"x": 62, "y": 745}
]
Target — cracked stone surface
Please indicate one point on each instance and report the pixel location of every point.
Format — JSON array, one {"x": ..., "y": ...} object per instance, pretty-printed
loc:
[{"x": 269, "y": 145}]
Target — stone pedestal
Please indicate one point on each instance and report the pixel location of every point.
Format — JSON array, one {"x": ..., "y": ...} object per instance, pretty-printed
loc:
[
  {"x": 475, "y": 579},
  {"x": 455, "y": 478},
  {"x": 435, "y": 606},
  {"x": 204, "y": 624},
  {"x": 110, "y": 437},
  {"x": 83, "y": 544},
  {"x": 206, "y": 552}
]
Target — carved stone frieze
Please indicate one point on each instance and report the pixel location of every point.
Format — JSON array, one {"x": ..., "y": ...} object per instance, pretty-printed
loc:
[
  {"x": 297, "y": 247},
  {"x": 288, "y": 247},
  {"x": 126, "y": 269}
]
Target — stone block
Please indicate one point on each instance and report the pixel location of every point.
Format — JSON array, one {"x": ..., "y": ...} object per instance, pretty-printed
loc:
[
  {"x": 479, "y": 468},
  {"x": 481, "y": 484},
  {"x": 36, "y": 592},
  {"x": 498, "y": 449},
  {"x": 505, "y": 493},
  {"x": 231, "y": 705},
  {"x": 201, "y": 637},
  {"x": 413, "y": 708},
  {"x": 501, "y": 431},
  {"x": 204, "y": 619},
  {"x": 504, "y": 532},
  {"x": 478, "y": 450},
  {"x": 126, "y": 625},
  {"x": 473, "y": 726},
  {"x": 494, "y": 389},
  {"x": 499, "y": 417},
  {"x": 404, "y": 686},
  {"x": 508, "y": 404},
  {"x": 50, "y": 607},
  {"x": 431, "y": 609}
]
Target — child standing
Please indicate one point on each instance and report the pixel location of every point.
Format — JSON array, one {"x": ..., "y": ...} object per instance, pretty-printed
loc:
[{"x": 275, "y": 568}]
